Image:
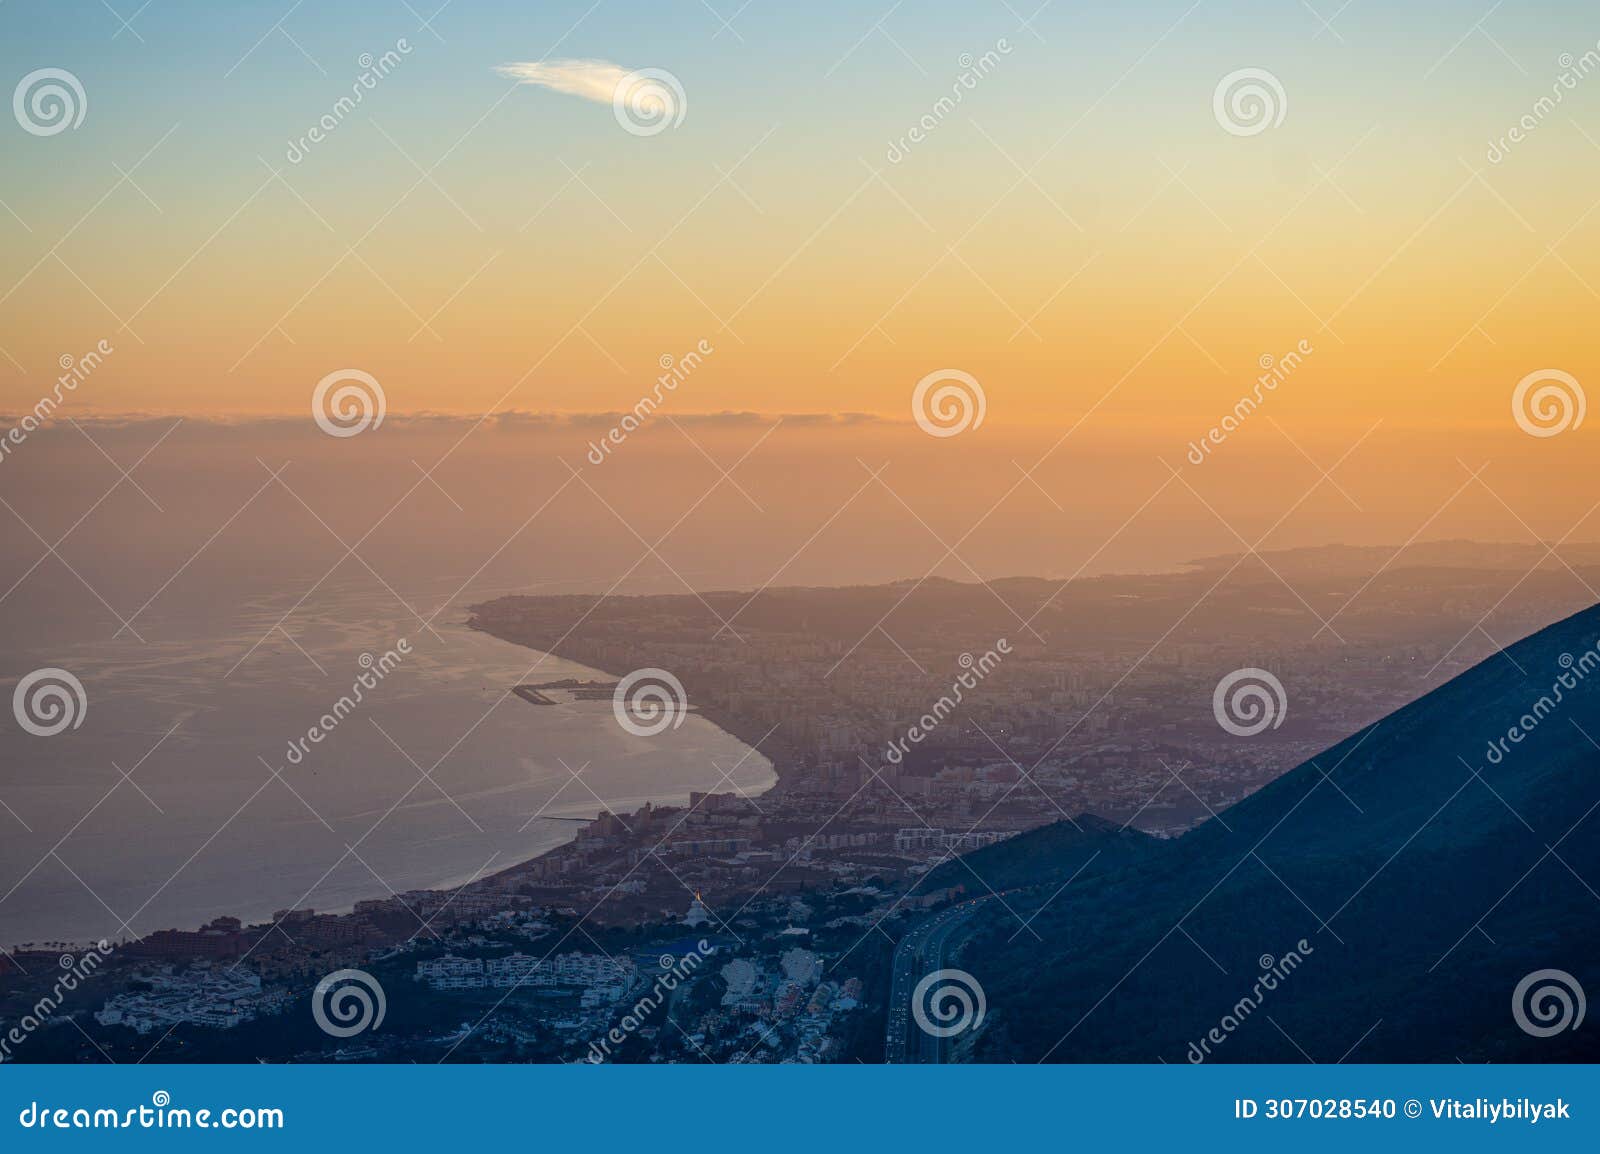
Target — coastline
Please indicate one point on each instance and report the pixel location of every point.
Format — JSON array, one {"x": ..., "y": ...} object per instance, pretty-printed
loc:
[
  {"x": 782, "y": 760},
  {"x": 574, "y": 819}
]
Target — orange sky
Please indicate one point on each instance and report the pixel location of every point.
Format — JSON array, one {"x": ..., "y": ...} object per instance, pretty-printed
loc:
[{"x": 1111, "y": 250}]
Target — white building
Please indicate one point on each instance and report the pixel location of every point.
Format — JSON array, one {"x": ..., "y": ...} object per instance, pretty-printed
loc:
[{"x": 452, "y": 973}]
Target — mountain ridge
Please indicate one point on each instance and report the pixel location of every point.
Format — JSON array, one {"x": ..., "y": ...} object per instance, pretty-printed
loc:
[{"x": 1425, "y": 878}]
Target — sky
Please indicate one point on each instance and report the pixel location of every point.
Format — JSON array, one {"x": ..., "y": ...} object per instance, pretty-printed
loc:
[
  {"x": 335, "y": 320},
  {"x": 422, "y": 302},
  {"x": 1080, "y": 232},
  {"x": 974, "y": 290}
]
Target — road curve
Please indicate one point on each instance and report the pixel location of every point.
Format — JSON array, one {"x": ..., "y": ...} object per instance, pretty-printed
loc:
[{"x": 923, "y": 950}]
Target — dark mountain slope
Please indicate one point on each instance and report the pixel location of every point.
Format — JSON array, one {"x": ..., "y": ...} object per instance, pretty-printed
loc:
[
  {"x": 1425, "y": 877},
  {"x": 1050, "y": 855}
]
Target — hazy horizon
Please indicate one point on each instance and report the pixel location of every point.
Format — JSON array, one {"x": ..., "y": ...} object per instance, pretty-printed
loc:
[
  {"x": 826, "y": 449},
  {"x": 521, "y": 504}
]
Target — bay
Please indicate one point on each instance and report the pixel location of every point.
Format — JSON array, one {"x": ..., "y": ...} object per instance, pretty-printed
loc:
[{"x": 180, "y": 796}]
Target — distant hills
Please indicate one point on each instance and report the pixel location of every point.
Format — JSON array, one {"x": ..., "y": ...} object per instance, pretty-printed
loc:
[
  {"x": 1426, "y": 874},
  {"x": 1364, "y": 560}
]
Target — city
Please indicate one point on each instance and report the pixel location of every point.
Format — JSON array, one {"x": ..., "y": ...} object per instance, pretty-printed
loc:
[{"x": 794, "y": 905}]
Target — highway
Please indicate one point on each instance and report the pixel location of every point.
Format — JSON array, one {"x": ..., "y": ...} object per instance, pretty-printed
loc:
[{"x": 921, "y": 952}]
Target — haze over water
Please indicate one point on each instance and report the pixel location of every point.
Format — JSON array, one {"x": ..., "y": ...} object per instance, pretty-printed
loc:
[{"x": 202, "y": 828}]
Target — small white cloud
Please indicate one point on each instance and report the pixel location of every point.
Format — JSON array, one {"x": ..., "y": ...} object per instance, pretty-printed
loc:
[
  {"x": 591, "y": 79},
  {"x": 646, "y": 101}
]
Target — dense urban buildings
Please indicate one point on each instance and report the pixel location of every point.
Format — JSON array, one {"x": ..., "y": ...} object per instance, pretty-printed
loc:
[{"x": 763, "y": 928}]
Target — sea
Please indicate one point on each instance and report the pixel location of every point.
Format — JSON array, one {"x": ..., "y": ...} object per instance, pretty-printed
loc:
[{"x": 187, "y": 786}]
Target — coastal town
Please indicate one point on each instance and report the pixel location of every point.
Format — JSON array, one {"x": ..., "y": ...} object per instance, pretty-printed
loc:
[
  {"x": 522, "y": 983},
  {"x": 774, "y": 916}
]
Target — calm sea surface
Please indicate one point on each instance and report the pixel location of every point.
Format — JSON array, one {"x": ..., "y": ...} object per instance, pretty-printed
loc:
[{"x": 161, "y": 809}]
